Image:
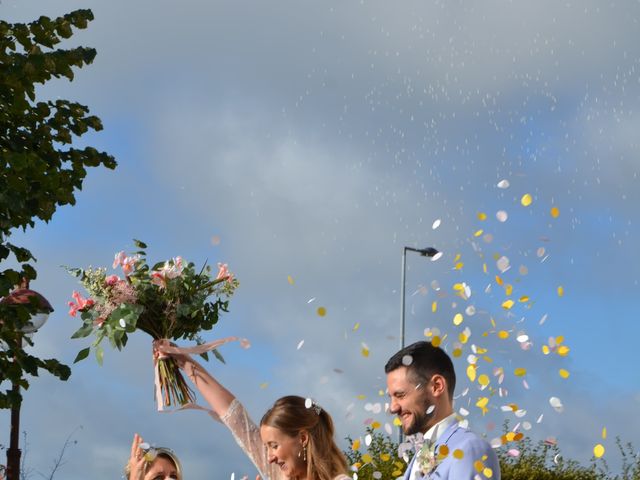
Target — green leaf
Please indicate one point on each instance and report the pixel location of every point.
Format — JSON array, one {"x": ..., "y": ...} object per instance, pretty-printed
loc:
[
  {"x": 84, "y": 331},
  {"x": 139, "y": 244},
  {"x": 82, "y": 354},
  {"x": 99, "y": 354},
  {"x": 218, "y": 355}
]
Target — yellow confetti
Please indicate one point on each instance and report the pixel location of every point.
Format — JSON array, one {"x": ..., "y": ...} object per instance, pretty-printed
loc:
[
  {"x": 520, "y": 372},
  {"x": 356, "y": 327},
  {"x": 457, "y": 352},
  {"x": 463, "y": 337},
  {"x": 526, "y": 200},
  {"x": 459, "y": 266},
  {"x": 478, "y": 233},
  {"x": 480, "y": 350},
  {"x": 559, "y": 339},
  {"x": 290, "y": 279},
  {"x": 555, "y": 212},
  {"x": 478, "y": 465},
  {"x": 563, "y": 350},
  {"x": 385, "y": 457},
  {"x": 456, "y": 258},
  {"x": 484, "y": 268},
  {"x": 483, "y": 380},
  {"x": 321, "y": 311},
  {"x": 560, "y": 291},
  {"x": 397, "y": 422},
  {"x": 443, "y": 451},
  {"x": 518, "y": 436},
  {"x": 487, "y": 472},
  {"x": 365, "y": 352},
  {"x": 435, "y": 341},
  {"x": 356, "y": 444},
  {"x": 396, "y": 473},
  {"x": 604, "y": 433},
  {"x": 482, "y": 405},
  {"x": 366, "y": 458},
  {"x": 523, "y": 299},
  {"x": 434, "y": 307},
  {"x": 508, "y": 289},
  {"x": 507, "y": 304},
  {"x": 357, "y": 465},
  {"x": 503, "y": 334},
  {"x": 458, "y": 454},
  {"x": 471, "y": 372},
  {"x": 510, "y": 436},
  {"x": 375, "y": 425},
  {"x": 493, "y": 322},
  {"x": 598, "y": 451},
  {"x": 457, "y": 319},
  {"x": 264, "y": 385},
  {"x": 499, "y": 281},
  {"x": 482, "y": 216},
  {"x": 546, "y": 350},
  {"x": 361, "y": 397},
  {"x": 564, "y": 373}
]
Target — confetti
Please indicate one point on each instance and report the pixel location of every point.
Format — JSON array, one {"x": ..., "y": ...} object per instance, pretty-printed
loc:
[
  {"x": 311, "y": 300},
  {"x": 502, "y": 216},
  {"x": 365, "y": 350},
  {"x": 215, "y": 240},
  {"x": 431, "y": 409},
  {"x": 503, "y": 184},
  {"x": 564, "y": 373},
  {"x": 556, "y": 403},
  {"x": 503, "y": 264},
  {"x": 407, "y": 360},
  {"x": 604, "y": 433},
  {"x": 290, "y": 279},
  {"x": 264, "y": 385},
  {"x": 598, "y": 451},
  {"x": 526, "y": 200},
  {"x": 483, "y": 380},
  {"x": 457, "y": 319},
  {"x": 503, "y": 334},
  {"x": 356, "y": 326},
  {"x": 507, "y": 304},
  {"x": 555, "y": 212},
  {"x": 367, "y": 439},
  {"x": 560, "y": 291},
  {"x": 520, "y": 372},
  {"x": 436, "y": 224},
  {"x": 458, "y": 454},
  {"x": 300, "y": 344},
  {"x": 321, "y": 311},
  {"x": 434, "y": 307},
  {"x": 470, "y": 310},
  {"x": 482, "y": 216},
  {"x": 478, "y": 233},
  {"x": 435, "y": 341}
]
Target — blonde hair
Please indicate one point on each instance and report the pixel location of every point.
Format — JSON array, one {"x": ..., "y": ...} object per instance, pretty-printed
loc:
[
  {"x": 291, "y": 416},
  {"x": 159, "y": 452}
]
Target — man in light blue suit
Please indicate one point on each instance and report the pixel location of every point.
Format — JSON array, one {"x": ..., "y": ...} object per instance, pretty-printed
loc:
[{"x": 421, "y": 381}]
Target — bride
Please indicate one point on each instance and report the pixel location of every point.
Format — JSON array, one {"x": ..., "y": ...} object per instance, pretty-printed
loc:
[{"x": 295, "y": 438}]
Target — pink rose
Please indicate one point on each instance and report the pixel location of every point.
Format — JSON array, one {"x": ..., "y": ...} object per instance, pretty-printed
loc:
[{"x": 111, "y": 280}]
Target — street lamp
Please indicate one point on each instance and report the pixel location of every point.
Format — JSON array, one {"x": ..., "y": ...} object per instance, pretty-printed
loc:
[
  {"x": 22, "y": 296},
  {"x": 424, "y": 252}
]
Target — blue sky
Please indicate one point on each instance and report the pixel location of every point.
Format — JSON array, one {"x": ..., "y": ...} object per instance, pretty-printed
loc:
[{"x": 316, "y": 140}]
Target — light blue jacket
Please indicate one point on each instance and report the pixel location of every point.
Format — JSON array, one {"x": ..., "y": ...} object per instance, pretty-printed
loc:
[{"x": 473, "y": 447}]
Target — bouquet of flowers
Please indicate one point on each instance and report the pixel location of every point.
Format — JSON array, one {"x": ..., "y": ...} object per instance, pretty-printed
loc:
[{"x": 169, "y": 301}]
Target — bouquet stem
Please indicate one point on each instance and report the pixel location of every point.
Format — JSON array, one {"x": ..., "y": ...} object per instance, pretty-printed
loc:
[{"x": 173, "y": 386}]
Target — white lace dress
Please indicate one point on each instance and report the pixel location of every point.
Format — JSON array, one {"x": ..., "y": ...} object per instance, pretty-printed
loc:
[{"x": 247, "y": 435}]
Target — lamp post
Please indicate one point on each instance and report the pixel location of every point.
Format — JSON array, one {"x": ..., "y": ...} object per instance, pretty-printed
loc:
[
  {"x": 22, "y": 296},
  {"x": 424, "y": 252}
]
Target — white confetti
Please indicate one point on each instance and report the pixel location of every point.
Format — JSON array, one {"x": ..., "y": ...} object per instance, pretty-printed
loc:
[
  {"x": 556, "y": 403},
  {"x": 367, "y": 439},
  {"x": 311, "y": 300},
  {"x": 122, "y": 323},
  {"x": 503, "y": 184},
  {"x": 503, "y": 264},
  {"x": 436, "y": 224},
  {"x": 407, "y": 360},
  {"x": 300, "y": 344},
  {"x": 502, "y": 216}
]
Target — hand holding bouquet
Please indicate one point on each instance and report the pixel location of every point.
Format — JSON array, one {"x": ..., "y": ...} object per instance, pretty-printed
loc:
[{"x": 169, "y": 301}]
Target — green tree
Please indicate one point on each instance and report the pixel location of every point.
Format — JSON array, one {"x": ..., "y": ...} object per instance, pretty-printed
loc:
[{"x": 41, "y": 170}]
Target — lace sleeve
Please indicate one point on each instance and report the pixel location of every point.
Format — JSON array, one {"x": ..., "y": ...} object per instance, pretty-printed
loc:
[{"x": 247, "y": 436}]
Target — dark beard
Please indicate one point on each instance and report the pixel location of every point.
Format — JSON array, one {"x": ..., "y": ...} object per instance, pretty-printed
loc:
[{"x": 420, "y": 420}]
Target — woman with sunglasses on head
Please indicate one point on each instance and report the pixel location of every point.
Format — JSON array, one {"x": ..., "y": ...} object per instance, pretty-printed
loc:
[
  {"x": 152, "y": 463},
  {"x": 295, "y": 437}
]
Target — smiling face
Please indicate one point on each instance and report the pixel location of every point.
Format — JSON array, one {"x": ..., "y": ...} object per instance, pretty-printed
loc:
[
  {"x": 410, "y": 402},
  {"x": 162, "y": 469},
  {"x": 284, "y": 451}
]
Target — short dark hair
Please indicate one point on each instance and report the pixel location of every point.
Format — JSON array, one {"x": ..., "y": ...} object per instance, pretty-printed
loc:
[{"x": 425, "y": 361}]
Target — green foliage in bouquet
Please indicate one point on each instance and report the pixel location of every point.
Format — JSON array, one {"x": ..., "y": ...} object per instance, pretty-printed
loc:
[
  {"x": 170, "y": 300},
  {"x": 380, "y": 456}
]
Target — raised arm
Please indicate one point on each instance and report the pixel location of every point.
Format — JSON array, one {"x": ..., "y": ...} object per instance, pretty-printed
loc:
[{"x": 216, "y": 395}]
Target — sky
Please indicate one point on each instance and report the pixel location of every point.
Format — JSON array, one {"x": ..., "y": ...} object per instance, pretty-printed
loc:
[{"x": 305, "y": 144}]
